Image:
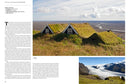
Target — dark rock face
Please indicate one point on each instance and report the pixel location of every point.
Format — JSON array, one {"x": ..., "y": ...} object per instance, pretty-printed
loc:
[{"x": 83, "y": 70}]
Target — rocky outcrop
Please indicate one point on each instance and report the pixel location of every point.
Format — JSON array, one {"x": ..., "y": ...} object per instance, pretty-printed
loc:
[{"x": 83, "y": 70}]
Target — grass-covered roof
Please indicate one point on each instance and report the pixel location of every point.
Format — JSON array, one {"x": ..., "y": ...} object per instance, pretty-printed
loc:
[
  {"x": 109, "y": 37},
  {"x": 86, "y": 31},
  {"x": 57, "y": 28},
  {"x": 83, "y": 29}
]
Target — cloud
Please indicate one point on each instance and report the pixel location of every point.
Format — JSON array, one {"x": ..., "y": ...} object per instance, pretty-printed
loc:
[
  {"x": 44, "y": 10},
  {"x": 80, "y": 9},
  {"x": 95, "y": 15},
  {"x": 84, "y": 15},
  {"x": 116, "y": 10},
  {"x": 112, "y": 11},
  {"x": 92, "y": 15},
  {"x": 63, "y": 10}
]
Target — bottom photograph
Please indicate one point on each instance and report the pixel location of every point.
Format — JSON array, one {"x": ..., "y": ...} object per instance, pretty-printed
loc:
[{"x": 101, "y": 70}]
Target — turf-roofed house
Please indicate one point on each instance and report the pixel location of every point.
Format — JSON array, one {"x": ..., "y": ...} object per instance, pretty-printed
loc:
[
  {"x": 106, "y": 37},
  {"x": 76, "y": 39},
  {"x": 84, "y": 31},
  {"x": 54, "y": 28},
  {"x": 70, "y": 30},
  {"x": 47, "y": 30}
]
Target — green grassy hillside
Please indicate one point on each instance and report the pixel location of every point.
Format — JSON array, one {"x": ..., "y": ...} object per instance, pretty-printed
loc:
[
  {"x": 109, "y": 38},
  {"x": 71, "y": 45},
  {"x": 93, "y": 79},
  {"x": 87, "y": 42}
]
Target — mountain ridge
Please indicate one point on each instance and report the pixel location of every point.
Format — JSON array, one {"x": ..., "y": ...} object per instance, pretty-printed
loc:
[{"x": 117, "y": 66}]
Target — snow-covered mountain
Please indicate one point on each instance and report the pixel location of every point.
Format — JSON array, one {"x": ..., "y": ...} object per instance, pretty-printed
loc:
[
  {"x": 118, "y": 66},
  {"x": 106, "y": 70}
]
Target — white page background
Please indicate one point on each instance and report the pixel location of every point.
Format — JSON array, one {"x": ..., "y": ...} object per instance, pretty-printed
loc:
[{"x": 68, "y": 66}]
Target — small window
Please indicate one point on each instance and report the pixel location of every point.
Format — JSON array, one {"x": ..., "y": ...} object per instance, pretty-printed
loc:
[
  {"x": 69, "y": 31},
  {"x": 47, "y": 31}
]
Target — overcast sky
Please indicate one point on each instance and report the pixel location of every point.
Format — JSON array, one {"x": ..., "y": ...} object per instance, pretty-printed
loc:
[
  {"x": 79, "y": 10},
  {"x": 100, "y": 60}
]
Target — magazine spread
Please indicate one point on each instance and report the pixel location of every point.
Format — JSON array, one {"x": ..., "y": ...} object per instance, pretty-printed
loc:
[{"x": 64, "y": 42}]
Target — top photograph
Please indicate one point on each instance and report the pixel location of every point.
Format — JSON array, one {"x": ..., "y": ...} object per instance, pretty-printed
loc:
[{"x": 78, "y": 28}]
